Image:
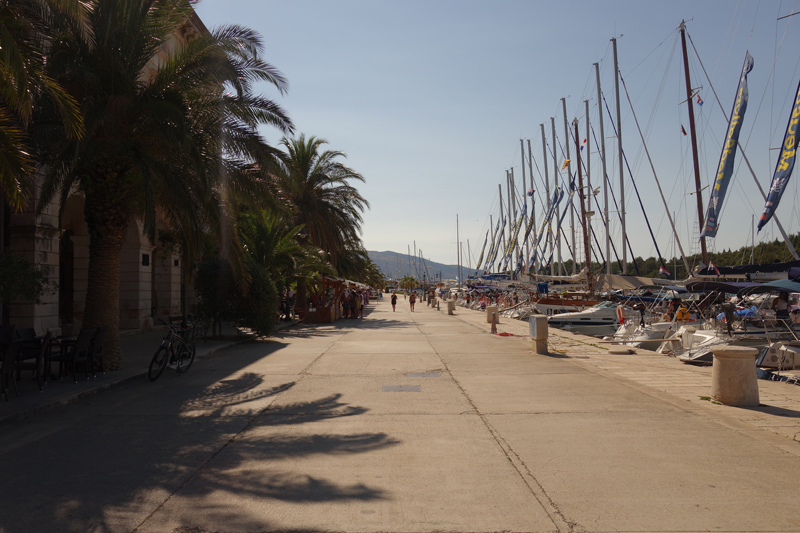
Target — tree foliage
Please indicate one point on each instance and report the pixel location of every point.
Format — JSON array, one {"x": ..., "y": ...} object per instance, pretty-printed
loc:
[{"x": 19, "y": 279}]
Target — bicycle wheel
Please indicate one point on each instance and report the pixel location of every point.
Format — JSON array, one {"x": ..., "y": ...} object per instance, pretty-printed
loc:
[
  {"x": 158, "y": 364},
  {"x": 186, "y": 358}
]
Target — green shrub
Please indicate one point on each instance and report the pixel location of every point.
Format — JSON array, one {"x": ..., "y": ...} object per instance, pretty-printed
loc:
[
  {"x": 21, "y": 280},
  {"x": 218, "y": 298}
]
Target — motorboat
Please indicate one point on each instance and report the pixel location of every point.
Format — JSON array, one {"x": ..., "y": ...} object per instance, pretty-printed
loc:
[{"x": 600, "y": 319}]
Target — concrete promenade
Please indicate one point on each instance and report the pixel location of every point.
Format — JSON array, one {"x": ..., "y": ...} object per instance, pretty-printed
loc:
[{"x": 408, "y": 422}]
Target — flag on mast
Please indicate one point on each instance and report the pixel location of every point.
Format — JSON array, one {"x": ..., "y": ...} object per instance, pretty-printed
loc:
[
  {"x": 726, "y": 159},
  {"x": 663, "y": 271},
  {"x": 712, "y": 266},
  {"x": 785, "y": 164}
]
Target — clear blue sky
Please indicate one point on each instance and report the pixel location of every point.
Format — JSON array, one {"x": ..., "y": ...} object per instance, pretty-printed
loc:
[{"x": 429, "y": 100}]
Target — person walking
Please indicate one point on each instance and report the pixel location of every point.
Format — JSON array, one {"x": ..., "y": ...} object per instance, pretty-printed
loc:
[
  {"x": 394, "y": 301},
  {"x": 412, "y": 299}
]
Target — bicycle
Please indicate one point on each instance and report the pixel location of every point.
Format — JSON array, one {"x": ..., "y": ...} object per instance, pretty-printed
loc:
[{"x": 174, "y": 350}]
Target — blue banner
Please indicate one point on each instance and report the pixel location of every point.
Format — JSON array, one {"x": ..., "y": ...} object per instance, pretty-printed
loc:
[
  {"x": 785, "y": 165},
  {"x": 725, "y": 167}
]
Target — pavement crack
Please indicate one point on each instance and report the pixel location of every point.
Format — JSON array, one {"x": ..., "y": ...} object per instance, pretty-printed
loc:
[{"x": 561, "y": 522}]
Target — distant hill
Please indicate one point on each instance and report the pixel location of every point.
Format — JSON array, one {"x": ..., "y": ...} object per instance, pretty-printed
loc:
[{"x": 395, "y": 265}]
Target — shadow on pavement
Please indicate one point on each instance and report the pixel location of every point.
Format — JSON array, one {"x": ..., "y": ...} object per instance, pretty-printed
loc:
[{"x": 105, "y": 464}]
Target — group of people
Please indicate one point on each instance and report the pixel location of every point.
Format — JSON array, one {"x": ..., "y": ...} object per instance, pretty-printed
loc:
[
  {"x": 287, "y": 303},
  {"x": 412, "y": 299},
  {"x": 353, "y": 303}
]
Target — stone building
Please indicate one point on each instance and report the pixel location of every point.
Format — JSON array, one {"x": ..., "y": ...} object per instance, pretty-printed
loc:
[{"x": 150, "y": 275}]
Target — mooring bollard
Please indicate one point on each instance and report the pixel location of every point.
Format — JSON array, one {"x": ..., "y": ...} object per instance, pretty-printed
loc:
[
  {"x": 491, "y": 311},
  {"x": 451, "y": 307},
  {"x": 538, "y": 329},
  {"x": 734, "y": 380}
]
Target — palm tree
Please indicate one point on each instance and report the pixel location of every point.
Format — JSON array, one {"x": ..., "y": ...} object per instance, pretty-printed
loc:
[
  {"x": 408, "y": 282},
  {"x": 356, "y": 265},
  {"x": 25, "y": 29},
  {"x": 315, "y": 186},
  {"x": 271, "y": 243},
  {"x": 181, "y": 138}
]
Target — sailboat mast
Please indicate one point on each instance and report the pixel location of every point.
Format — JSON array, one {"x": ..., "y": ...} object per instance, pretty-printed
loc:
[
  {"x": 695, "y": 161},
  {"x": 513, "y": 199},
  {"x": 583, "y": 209},
  {"x": 502, "y": 228},
  {"x": 546, "y": 184},
  {"x": 508, "y": 211},
  {"x": 569, "y": 179},
  {"x": 588, "y": 179},
  {"x": 555, "y": 235},
  {"x": 621, "y": 161},
  {"x": 603, "y": 160},
  {"x": 523, "y": 246},
  {"x": 458, "y": 249},
  {"x": 533, "y": 200}
]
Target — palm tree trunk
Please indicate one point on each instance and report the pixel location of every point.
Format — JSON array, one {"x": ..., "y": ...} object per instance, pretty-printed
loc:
[
  {"x": 106, "y": 224},
  {"x": 102, "y": 294}
]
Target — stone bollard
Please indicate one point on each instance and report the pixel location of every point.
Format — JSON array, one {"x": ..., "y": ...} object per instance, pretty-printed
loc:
[
  {"x": 734, "y": 380},
  {"x": 492, "y": 310},
  {"x": 538, "y": 329},
  {"x": 451, "y": 307}
]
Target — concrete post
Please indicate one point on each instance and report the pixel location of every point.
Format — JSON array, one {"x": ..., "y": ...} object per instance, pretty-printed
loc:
[
  {"x": 734, "y": 380},
  {"x": 539, "y": 332},
  {"x": 490, "y": 311},
  {"x": 451, "y": 307}
]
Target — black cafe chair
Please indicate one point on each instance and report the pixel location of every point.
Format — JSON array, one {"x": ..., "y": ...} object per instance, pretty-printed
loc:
[
  {"x": 75, "y": 353},
  {"x": 8, "y": 366},
  {"x": 26, "y": 334},
  {"x": 35, "y": 360},
  {"x": 6, "y": 336}
]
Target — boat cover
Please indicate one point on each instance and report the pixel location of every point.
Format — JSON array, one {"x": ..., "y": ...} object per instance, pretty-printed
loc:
[
  {"x": 609, "y": 282},
  {"x": 779, "y": 285},
  {"x": 741, "y": 270},
  {"x": 722, "y": 286}
]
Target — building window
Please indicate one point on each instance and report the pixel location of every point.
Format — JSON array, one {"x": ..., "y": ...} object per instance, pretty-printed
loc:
[
  {"x": 145, "y": 259},
  {"x": 175, "y": 262}
]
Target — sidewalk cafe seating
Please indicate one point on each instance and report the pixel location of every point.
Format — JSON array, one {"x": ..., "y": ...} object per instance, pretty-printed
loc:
[
  {"x": 8, "y": 366},
  {"x": 74, "y": 353},
  {"x": 33, "y": 355}
]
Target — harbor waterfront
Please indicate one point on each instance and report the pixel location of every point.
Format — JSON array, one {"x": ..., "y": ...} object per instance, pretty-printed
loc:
[{"x": 407, "y": 421}]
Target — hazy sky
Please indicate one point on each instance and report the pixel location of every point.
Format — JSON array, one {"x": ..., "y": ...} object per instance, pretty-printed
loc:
[{"x": 429, "y": 100}]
